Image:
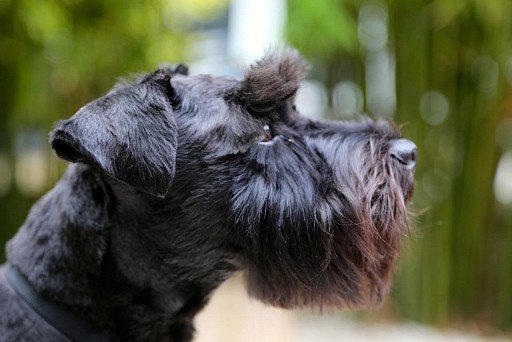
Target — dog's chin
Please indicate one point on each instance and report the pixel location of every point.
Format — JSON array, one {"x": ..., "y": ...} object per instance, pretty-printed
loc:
[
  {"x": 354, "y": 276},
  {"x": 342, "y": 284}
]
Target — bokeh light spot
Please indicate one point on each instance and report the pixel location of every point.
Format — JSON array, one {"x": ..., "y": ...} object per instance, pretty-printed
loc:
[{"x": 434, "y": 108}]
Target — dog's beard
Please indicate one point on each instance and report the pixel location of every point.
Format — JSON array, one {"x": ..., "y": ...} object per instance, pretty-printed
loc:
[{"x": 323, "y": 222}]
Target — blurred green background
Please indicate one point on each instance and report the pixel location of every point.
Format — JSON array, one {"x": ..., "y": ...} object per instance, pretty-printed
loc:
[{"x": 442, "y": 68}]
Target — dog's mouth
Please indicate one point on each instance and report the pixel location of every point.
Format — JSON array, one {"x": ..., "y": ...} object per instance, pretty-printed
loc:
[{"x": 404, "y": 173}]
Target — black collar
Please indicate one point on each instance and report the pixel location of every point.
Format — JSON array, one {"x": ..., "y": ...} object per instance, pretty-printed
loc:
[{"x": 68, "y": 325}]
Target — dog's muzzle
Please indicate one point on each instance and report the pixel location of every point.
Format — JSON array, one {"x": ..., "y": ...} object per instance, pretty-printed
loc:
[{"x": 405, "y": 151}]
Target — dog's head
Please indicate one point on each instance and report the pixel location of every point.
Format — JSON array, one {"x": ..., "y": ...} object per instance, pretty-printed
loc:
[{"x": 313, "y": 209}]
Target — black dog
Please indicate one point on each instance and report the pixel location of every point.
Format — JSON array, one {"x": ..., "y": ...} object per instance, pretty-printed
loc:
[{"x": 178, "y": 182}]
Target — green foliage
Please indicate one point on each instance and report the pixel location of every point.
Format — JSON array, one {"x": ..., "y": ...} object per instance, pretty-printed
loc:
[
  {"x": 321, "y": 29},
  {"x": 76, "y": 50}
]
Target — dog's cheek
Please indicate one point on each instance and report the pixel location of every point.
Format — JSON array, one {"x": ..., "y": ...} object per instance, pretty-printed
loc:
[{"x": 284, "y": 224}]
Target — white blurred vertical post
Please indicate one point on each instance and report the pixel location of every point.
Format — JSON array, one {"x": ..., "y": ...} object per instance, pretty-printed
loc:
[
  {"x": 254, "y": 26},
  {"x": 380, "y": 61}
]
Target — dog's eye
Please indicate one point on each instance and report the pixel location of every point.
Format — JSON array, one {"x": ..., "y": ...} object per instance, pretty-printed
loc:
[{"x": 267, "y": 136}]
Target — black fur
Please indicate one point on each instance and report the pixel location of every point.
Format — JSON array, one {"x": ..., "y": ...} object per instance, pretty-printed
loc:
[{"x": 178, "y": 181}]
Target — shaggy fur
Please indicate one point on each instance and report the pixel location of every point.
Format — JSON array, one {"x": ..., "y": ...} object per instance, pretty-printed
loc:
[{"x": 178, "y": 181}]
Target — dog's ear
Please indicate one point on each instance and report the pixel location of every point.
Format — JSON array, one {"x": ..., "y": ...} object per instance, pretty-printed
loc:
[
  {"x": 272, "y": 80},
  {"x": 130, "y": 134}
]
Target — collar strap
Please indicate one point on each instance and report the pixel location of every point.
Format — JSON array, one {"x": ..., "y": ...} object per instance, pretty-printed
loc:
[{"x": 68, "y": 325}]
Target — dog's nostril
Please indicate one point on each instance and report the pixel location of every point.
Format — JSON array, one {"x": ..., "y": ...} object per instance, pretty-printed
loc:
[{"x": 405, "y": 151}]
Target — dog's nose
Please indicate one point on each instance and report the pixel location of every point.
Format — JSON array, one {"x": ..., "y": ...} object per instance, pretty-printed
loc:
[{"x": 405, "y": 151}]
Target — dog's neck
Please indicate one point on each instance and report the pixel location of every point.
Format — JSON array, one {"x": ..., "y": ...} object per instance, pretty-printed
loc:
[{"x": 69, "y": 249}]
